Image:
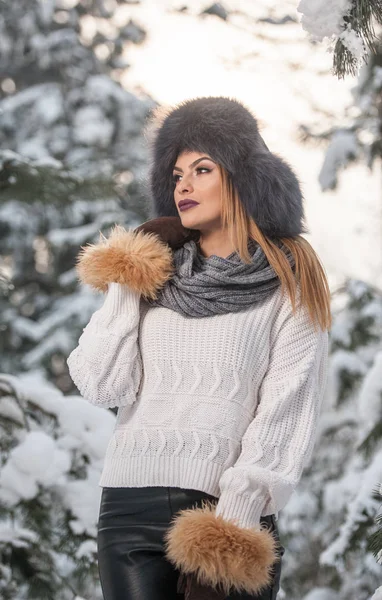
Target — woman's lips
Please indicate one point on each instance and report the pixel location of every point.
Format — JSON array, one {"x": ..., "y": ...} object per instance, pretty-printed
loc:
[{"x": 187, "y": 205}]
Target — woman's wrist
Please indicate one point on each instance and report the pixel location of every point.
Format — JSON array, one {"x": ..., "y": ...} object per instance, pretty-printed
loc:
[{"x": 120, "y": 298}]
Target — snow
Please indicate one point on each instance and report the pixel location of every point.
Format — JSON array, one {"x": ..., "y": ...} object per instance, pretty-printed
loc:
[
  {"x": 19, "y": 537},
  {"x": 27, "y": 96},
  {"x": 369, "y": 398},
  {"x": 42, "y": 460},
  {"x": 52, "y": 331},
  {"x": 342, "y": 361},
  {"x": 50, "y": 106},
  {"x": 323, "y": 19},
  {"x": 342, "y": 145},
  {"x": 338, "y": 493},
  {"x": 362, "y": 501},
  {"x": 82, "y": 497},
  {"x": 46, "y": 10},
  {"x": 36, "y": 460},
  {"x": 74, "y": 235},
  {"x": 301, "y": 506},
  {"x": 377, "y": 594},
  {"x": 91, "y": 128},
  {"x": 353, "y": 42},
  {"x": 34, "y": 149},
  {"x": 48, "y": 161},
  {"x": 321, "y": 594},
  {"x": 88, "y": 549}
]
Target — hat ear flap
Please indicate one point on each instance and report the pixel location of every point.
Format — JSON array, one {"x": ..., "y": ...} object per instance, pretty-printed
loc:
[
  {"x": 164, "y": 204},
  {"x": 271, "y": 194}
]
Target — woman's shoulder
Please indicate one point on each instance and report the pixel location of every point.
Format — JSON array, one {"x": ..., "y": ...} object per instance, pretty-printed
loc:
[{"x": 295, "y": 323}]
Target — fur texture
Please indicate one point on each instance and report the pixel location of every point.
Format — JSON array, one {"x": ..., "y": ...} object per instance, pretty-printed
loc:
[
  {"x": 228, "y": 132},
  {"x": 138, "y": 259},
  {"x": 219, "y": 552}
]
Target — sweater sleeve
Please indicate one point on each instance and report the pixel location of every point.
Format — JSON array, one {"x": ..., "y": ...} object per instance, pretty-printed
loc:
[
  {"x": 280, "y": 439},
  {"x": 106, "y": 365}
]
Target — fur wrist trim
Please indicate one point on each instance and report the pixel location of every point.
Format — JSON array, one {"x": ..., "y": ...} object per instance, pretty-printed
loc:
[
  {"x": 219, "y": 552},
  {"x": 139, "y": 259}
]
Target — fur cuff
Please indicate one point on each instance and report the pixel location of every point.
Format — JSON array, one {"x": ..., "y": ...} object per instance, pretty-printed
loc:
[
  {"x": 139, "y": 259},
  {"x": 219, "y": 552}
]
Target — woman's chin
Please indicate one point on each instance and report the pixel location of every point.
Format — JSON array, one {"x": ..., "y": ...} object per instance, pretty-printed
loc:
[{"x": 190, "y": 223}]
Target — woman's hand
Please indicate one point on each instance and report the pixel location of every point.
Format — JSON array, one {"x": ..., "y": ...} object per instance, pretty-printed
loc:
[
  {"x": 170, "y": 230},
  {"x": 141, "y": 260},
  {"x": 192, "y": 590}
]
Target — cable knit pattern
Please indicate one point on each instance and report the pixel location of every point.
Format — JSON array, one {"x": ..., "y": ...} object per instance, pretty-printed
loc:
[{"x": 226, "y": 404}]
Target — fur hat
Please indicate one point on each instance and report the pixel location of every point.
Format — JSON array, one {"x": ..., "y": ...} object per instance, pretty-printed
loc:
[{"x": 228, "y": 132}]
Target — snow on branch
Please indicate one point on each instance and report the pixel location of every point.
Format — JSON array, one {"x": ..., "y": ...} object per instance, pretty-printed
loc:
[{"x": 348, "y": 25}]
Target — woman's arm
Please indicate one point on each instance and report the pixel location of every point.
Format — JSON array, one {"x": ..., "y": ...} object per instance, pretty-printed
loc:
[
  {"x": 223, "y": 543},
  {"x": 280, "y": 439},
  {"x": 106, "y": 366}
]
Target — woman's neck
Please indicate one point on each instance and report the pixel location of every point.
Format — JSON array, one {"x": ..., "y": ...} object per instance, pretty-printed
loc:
[{"x": 215, "y": 247}]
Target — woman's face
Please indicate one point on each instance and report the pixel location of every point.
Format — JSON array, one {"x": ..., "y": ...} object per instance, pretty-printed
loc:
[{"x": 196, "y": 176}]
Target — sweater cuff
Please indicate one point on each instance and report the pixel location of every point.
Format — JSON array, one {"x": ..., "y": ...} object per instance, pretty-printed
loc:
[
  {"x": 244, "y": 509},
  {"x": 120, "y": 300}
]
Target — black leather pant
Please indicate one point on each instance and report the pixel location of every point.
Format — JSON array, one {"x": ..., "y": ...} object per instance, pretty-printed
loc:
[{"x": 131, "y": 559}]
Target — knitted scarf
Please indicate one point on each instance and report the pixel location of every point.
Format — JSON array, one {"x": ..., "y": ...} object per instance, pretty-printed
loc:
[{"x": 205, "y": 286}]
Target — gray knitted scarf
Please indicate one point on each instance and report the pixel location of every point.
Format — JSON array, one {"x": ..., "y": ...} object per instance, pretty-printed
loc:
[{"x": 205, "y": 286}]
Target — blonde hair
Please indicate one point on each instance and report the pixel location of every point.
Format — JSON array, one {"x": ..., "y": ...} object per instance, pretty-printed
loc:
[{"x": 309, "y": 272}]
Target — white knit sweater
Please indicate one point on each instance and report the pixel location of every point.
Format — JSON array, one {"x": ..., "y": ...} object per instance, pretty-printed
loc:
[{"x": 226, "y": 404}]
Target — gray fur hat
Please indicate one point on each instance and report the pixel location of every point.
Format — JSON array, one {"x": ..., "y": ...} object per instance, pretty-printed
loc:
[{"x": 228, "y": 132}]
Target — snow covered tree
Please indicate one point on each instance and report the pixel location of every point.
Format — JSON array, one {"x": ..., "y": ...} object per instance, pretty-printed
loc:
[
  {"x": 52, "y": 446},
  {"x": 328, "y": 521},
  {"x": 375, "y": 540},
  {"x": 73, "y": 164},
  {"x": 47, "y": 213},
  {"x": 359, "y": 137},
  {"x": 51, "y": 454},
  {"x": 62, "y": 41},
  {"x": 349, "y": 25}
]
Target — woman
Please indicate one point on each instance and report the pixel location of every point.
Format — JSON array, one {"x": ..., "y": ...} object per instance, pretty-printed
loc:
[{"x": 213, "y": 344}]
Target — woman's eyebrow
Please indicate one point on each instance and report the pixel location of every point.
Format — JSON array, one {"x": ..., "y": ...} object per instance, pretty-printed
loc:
[{"x": 193, "y": 163}]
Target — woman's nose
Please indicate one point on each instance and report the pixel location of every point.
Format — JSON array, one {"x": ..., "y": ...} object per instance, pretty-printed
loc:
[{"x": 185, "y": 184}]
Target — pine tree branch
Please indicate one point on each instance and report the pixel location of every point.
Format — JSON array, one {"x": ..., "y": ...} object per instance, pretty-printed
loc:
[
  {"x": 360, "y": 21},
  {"x": 374, "y": 543},
  {"x": 6, "y": 388}
]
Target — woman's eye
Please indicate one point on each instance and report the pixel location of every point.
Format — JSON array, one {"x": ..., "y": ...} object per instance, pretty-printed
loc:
[{"x": 174, "y": 177}]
